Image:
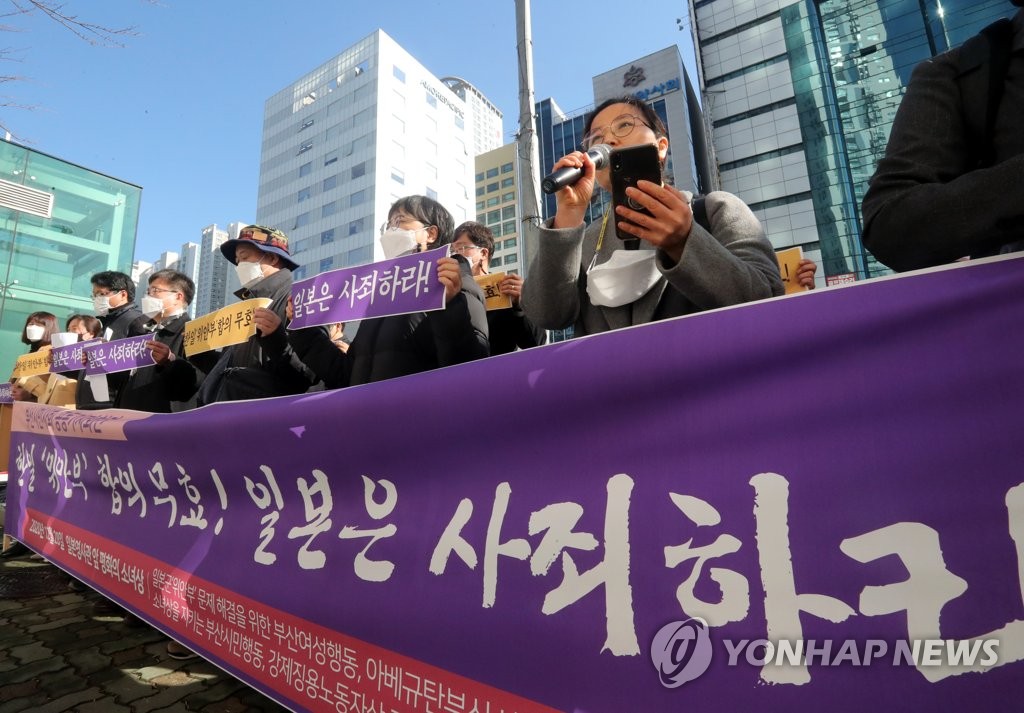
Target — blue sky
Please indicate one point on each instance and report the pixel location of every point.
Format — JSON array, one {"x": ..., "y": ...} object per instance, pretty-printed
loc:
[{"x": 178, "y": 109}]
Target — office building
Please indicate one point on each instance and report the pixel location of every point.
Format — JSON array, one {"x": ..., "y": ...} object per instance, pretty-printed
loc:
[
  {"x": 801, "y": 97},
  {"x": 217, "y": 281},
  {"x": 497, "y": 206},
  {"x": 188, "y": 264},
  {"x": 61, "y": 224},
  {"x": 341, "y": 143}
]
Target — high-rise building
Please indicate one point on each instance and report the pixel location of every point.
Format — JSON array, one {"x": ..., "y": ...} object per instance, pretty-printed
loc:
[
  {"x": 341, "y": 143},
  {"x": 497, "y": 205},
  {"x": 487, "y": 126},
  {"x": 188, "y": 264},
  {"x": 61, "y": 224},
  {"x": 217, "y": 280},
  {"x": 801, "y": 97}
]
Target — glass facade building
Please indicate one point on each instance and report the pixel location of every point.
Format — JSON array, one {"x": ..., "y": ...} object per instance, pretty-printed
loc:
[
  {"x": 62, "y": 223},
  {"x": 801, "y": 97}
]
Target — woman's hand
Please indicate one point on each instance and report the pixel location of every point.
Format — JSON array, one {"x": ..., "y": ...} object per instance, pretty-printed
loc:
[
  {"x": 511, "y": 285},
  {"x": 805, "y": 270},
  {"x": 670, "y": 225},
  {"x": 572, "y": 201},
  {"x": 450, "y": 275},
  {"x": 161, "y": 352}
]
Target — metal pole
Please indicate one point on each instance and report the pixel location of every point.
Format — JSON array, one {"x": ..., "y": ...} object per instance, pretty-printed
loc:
[{"x": 527, "y": 150}]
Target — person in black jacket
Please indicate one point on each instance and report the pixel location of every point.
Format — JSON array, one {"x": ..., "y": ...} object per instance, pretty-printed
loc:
[
  {"x": 113, "y": 298},
  {"x": 265, "y": 365},
  {"x": 173, "y": 381},
  {"x": 508, "y": 329},
  {"x": 387, "y": 347}
]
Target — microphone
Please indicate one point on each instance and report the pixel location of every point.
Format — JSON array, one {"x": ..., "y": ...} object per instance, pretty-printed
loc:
[{"x": 568, "y": 175}]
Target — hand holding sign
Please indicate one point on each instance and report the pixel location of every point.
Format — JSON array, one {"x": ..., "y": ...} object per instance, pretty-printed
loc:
[
  {"x": 266, "y": 320},
  {"x": 450, "y": 275},
  {"x": 512, "y": 285}
]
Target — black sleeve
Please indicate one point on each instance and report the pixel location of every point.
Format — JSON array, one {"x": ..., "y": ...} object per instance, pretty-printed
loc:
[
  {"x": 316, "y": 350},
  {"x": 460, "y": 329}
]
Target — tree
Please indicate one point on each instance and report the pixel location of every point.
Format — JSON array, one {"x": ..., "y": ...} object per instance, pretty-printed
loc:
[{"x": 93, "y": 33}]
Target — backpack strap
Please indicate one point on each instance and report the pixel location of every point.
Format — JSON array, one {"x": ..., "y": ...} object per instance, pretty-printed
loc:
[{"x": 984, "y": 60}]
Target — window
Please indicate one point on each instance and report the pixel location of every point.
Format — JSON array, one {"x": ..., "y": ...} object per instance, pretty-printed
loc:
[
  {"x": 509, "y": 244},
  {"x": 509, "y": 228},
  {"x": 327, "y": 237},
  {"x": 359, "y": 170},
  {"x": 431, "y": 100},
  {"x": 496, "y": 261},
  {"x": 298, "y": 273},
  {"x": 305, "y": 169},
  {"x": 508, "y": 182},
  {"x": 399, "y": 74},
  {"x": 510, "y": 196},
  {"x": 357, "y": 198},
  {"x": 506, "y": 168},
  {"x": 496, "y": 232},
  {"x": 492, "y": 173},
  {"x": 329, "y": 209},
  {"x": 459, "y": 123},
  {"x": 508, "y": 211},
  {"x": 361, "y": 67},
  {"x": 479, "y": 177},
  {"x": 492, "y": 187},
  {"x": 305, "y": 147},
  {"x": 356, "y": 226},
  {"x": 493, "y": 216},
  {"x": 302, "y": 219},
  {"x": 360, "y": 256},
  {"x": 479, "y": 190},
  {"x": 397, "y": 176},
  {"x": 326, "y": 264},
  {"x": 329, "y": 183},
  {"x": 306, "y": 124},
  {"x": 479, "y": 206},
  {"x": 304, "y": 194},
  {"x": 330, "y": 158},
  {"x": 492, "y": 201}
]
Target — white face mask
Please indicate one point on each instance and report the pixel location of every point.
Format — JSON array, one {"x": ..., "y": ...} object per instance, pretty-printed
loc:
[
  {"x": 248, "y": 272},
  {"x": 625, "y": 278},
  {"x": 396, "y": 241},
  {"x": 152, "y": 306},
  {"x": 101, "y": 305},
  {"x": 34, "y": 332}
]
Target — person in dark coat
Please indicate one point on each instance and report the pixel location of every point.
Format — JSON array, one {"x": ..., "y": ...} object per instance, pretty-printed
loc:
[
  {"x": 387, "y": 347},
  {"x": 265, "y": 365},
  {"x": 508, "y": 329},
  {"x": 113, "y": 298},
  {"x": 170, "y": 384}
]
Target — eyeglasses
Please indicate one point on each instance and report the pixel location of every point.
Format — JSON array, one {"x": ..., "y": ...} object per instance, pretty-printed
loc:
[
  {"x": 462, "y": 249},
  {"x": 154, "y": 291},
  {"x": 621, "y": 127},
  {"x": 402, "y": 222}
]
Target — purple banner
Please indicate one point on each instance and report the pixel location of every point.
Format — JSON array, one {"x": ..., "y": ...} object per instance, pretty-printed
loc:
[
  {"x": 5, "y": 392},
  {"x": 70, "y": 357},
  {"x": 118, "y": 355},
  {"x": 400, "y": 286},
  {"x": 821, "y": 492}
]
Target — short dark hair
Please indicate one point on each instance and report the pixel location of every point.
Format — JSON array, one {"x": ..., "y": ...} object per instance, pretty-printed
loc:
[
  {"x": 91, "y": 324},
  {"x": 478, "y": 234},
  {"x": 429, "y": 212},
  {"x": 178, "y": 280},
  {"x": 114, "y": 281},
  {"x": 650, "y": 116},
  {"x": 49, "y": 323}
]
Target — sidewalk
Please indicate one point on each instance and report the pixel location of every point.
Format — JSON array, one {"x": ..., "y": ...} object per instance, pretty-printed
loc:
[{"x": 57, "y": 654}]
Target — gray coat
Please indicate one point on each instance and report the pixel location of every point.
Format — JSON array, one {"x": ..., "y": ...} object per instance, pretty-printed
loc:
[{"x": 736, "y": 264}]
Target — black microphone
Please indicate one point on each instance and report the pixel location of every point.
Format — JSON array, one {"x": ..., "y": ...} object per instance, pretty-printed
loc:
[{"x": 568, "y": 175}]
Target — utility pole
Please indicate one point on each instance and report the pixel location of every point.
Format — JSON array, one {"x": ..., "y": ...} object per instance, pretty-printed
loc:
[{"x": 526, "y": 138}]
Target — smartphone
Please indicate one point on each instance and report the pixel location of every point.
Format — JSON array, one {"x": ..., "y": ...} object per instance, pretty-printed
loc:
[{"x": 629, "y": 165}]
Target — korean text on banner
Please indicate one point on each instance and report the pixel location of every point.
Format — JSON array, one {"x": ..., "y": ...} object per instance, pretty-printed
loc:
[
  {"x": 489, "y": 284},
  {"x": 403, "y": 285},
  {"x": 118, "y": 355},
  {"x": 229, "y": 325},
  {"x": 33, "y": 364}
]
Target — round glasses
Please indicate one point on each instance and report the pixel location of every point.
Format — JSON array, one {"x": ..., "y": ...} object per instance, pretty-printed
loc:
[
  {"x": 620, "y": 127},
  {"x": 402, "y": 223}
]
